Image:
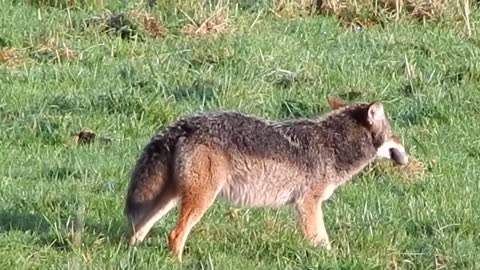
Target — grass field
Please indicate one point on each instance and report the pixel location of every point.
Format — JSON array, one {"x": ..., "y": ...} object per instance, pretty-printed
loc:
[{"x": 61, "y": 204}]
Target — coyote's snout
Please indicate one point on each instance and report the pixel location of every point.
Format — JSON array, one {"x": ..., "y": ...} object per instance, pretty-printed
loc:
[{"x": 253, "y": 162}]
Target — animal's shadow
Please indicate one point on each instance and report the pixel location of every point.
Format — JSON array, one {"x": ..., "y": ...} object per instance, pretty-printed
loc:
[
  {"x": 13, "y": 220},
  {"x": 35, "y": 223}
]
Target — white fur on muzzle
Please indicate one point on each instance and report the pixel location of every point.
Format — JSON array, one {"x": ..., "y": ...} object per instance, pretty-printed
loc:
[{"x": 393, "y": 150}]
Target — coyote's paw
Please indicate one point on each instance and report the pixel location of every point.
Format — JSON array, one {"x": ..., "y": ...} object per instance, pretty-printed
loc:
[
  {"x": 132, "y": 241},
  {"x": 326, "y": 246},
  {"x": 136, "y": 238},
  {"x": 175, "y": 245},
  {"x": 322, "y": 242}
]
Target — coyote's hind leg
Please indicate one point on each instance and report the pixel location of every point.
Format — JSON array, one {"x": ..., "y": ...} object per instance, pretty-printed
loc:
[{"x": 204, "y": 176}]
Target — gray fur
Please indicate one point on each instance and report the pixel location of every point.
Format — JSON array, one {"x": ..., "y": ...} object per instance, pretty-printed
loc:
[{"x": 271, "y": 163}]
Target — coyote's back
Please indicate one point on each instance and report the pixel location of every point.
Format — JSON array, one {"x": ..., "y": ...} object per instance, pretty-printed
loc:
[{"x": 253, "y": 162}]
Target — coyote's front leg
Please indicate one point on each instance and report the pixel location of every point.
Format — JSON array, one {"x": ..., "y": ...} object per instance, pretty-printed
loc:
[{"x": 310, "y": 214}]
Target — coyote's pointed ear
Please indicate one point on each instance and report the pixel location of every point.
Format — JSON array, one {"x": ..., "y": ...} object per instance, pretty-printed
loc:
[
  {"x": 335, "y": 102},
  {"x": 375, "y": 112}
]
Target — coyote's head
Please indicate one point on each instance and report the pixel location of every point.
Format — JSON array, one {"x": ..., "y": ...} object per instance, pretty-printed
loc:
[{"x": 374, "y": 118}]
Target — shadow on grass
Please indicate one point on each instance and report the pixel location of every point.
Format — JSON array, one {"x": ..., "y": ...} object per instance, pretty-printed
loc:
[
  {"x": 115, "y": 230},
  {"x": 12, "y": 220},
  {"x": 62, "y": 234}
]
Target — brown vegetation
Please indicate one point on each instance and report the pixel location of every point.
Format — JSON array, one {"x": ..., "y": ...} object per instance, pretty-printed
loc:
[
  {"x": 50, "y": 48},
  {"x": 413, "y": 171},
  {"x": 10, "y": 57},
  {"x": 206, "y": 23},
  {"x": 148, "y": 23},
  {"x": 365, "y": 13}
]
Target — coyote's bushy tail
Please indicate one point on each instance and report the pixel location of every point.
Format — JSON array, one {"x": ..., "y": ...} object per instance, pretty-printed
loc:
[{"x": 152, "y": 172}]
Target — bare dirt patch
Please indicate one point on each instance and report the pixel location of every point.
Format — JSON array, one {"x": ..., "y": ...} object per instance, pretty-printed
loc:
[{"x": 87, "y": 136}]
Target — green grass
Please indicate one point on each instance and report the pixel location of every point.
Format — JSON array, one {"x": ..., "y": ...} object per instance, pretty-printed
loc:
[{"x": 61, "y": 205}]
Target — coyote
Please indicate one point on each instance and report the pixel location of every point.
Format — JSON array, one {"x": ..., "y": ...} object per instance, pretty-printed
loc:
[{"x": 255, "y": 163}]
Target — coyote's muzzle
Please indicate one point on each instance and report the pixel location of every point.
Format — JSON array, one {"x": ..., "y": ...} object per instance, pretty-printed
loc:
[{"x": 394, "y": 150}]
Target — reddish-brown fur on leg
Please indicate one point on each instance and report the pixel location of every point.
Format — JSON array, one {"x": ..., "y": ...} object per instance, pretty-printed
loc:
[
  {"x": 310, "y": 213},
  {"x": 204, "y": 175}
]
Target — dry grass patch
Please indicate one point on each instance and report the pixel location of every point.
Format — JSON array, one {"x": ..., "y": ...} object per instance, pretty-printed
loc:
[
  {"x": 148, "y": 24},
  {"x": 356, "y": 21},
  {"x": 206, "y": 24},
  {"x": 54, "y": 3},
  {"x": 10, "y": 57},
  {"x": 367, "y": 13},
  {"x": 135, "y": 23},
  {"x": 419, "y": 9},
  {"x": 413, "y": 171},
  {"x": 52, "y": 49},
  {"x": 335, "y": 6},
  {"x": 294, "y": 8},
  {"x": 71, "y": 4}
]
